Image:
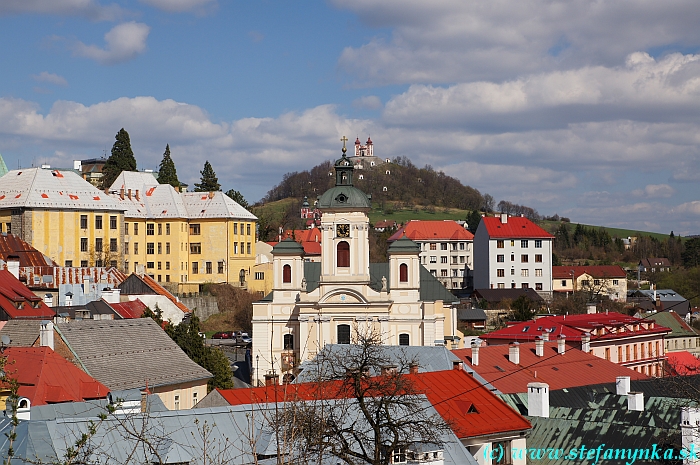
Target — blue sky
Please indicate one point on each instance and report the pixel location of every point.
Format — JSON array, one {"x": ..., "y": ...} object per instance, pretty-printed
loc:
[{"x": 585, "y": 109}]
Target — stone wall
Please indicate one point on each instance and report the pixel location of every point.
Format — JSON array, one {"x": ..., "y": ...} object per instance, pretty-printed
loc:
[{"x": 204, "y": 306}]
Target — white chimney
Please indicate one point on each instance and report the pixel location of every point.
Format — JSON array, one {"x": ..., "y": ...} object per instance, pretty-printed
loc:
[
  {"x": 635, "y": 401},
  {"x": 538, "y": 400},
  {"x": 13, "y": 265},
  {"x": 539, "y": 346},
  {"x": 561, "y": 344},
  {"x": 514, "y": 353},
  {"x": 622, "y": 385},
  {"x": 48, "y": 300},
  {"x": 586, "y": 342},
  {"x": 545, "y": 336},
  {"x": 690, "y": 431},
  {"x": 475, "y": 353},
  {"x": 23, "y": 408},
  {"x": 504, "y": 218},
  {"x": 69, "y": 299},
  {"x": 591, "y": 308},
  {"x": 46, "y": 334}
]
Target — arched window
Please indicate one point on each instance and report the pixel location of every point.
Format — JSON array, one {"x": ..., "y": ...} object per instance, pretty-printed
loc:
[
  {"x": 343, "y": 334},
  {"x": 403, "y": 273},
  {"x": 288, "y": 342},
  {"x": 343, "y": 254},
  {"x": 404, "y": 339},
  {"x": 286, "y": 274},
  {"x": 241, "y": 276}
]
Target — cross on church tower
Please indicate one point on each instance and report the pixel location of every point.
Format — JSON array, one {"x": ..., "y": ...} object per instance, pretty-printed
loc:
[{"x": 344, "y": 139}]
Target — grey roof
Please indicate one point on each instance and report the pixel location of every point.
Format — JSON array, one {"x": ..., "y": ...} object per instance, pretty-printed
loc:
[
  {"x": 214, "y": 205},
  {"x": 93, "y": 408},
  {"x": 603, "y": 421},
  {"x": 430, "y": 288},
  {"x": 127, "y": 354},
  {"x": 498, "y": 295},
  {"x": 46, "y": 188},
  {"x": 471, "y": 314},
  {"x": 235, "y": 434},
  {"x": 22, "y": 333}
]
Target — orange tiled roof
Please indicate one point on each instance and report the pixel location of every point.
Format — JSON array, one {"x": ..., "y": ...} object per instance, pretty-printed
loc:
[
  {"x": 516, "y": 227},
  {"x": 418, "y": 230}
]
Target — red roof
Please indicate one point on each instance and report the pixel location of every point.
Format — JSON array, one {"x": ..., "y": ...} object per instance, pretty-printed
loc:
[
  {"x": 160, "y": 290},
  {"x": 418, "y": 230},
  {"x": 611, "y": 325},
  {"x": 599, "y": 271},
  {"x": 18, "y": 302},
  {"x": 303, "y": 235},
  {"x": 571, "y": 369},
  {"x": 516, "y": 227},
  {"x": 470, "y": 408},
  {"x": 28, "y": 255},
  {"x": 129, "y": 310},
  {"x": 45, "y": 377},
  {"x": 682, "y": 363}
]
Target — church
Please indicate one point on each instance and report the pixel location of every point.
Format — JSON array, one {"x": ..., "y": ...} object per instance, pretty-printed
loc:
[{"x": 329, "y": 302}]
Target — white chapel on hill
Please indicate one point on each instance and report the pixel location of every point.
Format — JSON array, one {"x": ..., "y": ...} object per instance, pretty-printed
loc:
[{"x": 328, "y": 302}]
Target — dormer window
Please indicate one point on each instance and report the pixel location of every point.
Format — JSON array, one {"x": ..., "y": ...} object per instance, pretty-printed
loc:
[{"x": 19, "y": 305}]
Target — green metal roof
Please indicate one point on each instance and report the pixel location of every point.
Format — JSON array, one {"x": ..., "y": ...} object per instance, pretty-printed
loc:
[
  {"x": 673, "y": 321},
  {"x": 344, "y": 198},
  {"x": 404, "y": 244},
  {"x": 288, "y": 247}
]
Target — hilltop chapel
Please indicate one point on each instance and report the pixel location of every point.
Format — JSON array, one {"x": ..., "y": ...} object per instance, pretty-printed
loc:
[{"x": 329, "y": 302}]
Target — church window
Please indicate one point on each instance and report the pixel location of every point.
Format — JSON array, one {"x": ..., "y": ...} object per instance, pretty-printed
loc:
[
  {"x": 286, "y": 274},
  {"x": 403, "y": 273},
  {"x": 343, "y": 334},
  {"x": 343, "y": 258},
  {"x": 288, "y": 342},
  {"x": 404, "y": 339}
]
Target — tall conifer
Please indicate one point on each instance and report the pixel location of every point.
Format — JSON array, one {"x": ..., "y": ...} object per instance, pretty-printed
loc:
[
  {"x": 122, "y": 159},
  {"x": 167, "y": 174},
  {"x": 209, "y": 181}
]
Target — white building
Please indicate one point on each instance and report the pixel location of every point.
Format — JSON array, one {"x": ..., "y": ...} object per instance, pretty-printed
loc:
[
  {"x": 445, "y": 249},
  {"x": 512, "y": 252},
  {"x": 331, "y": 301}
]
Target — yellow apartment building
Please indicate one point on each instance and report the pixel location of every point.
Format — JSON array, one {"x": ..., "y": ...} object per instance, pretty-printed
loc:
[
  {"x": 62, "y": 216},
  {"x": 184, "y": 238}
]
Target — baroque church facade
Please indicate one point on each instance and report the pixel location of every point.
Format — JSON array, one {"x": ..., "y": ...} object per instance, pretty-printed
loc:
[{"x": 331, "y": 301}]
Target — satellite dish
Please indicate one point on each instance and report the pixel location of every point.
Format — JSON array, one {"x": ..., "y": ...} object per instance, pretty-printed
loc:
[{"x": 6, "y": 339}]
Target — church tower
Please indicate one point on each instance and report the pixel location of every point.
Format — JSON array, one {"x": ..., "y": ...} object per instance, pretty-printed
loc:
[{"x": 344, "y": 228}]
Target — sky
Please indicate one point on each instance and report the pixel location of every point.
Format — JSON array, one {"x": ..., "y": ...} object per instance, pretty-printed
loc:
[{"x": 590, "y": 110}]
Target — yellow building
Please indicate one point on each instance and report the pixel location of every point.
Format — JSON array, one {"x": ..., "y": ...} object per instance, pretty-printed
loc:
[
  {"x": 188, "y": 238},
  {"x": 62, "y": 216}
]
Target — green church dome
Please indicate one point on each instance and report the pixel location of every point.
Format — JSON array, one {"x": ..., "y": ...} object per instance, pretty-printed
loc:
[{"x": 344, "y": 196}]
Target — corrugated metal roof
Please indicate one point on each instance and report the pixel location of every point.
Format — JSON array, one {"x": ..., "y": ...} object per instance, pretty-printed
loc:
[
  {"x": 28, "y": 255},
  {"x": 597, "y": 271},
  {"x": 18, "y": 302},
  {"x": 51, "y": 277},
  {"x": 515, "y": 228},
  {"x": 46, "y": 188}
]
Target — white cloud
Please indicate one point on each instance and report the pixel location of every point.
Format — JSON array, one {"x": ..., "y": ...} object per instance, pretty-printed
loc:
[
  {"x": 446, "y": 41},
  {"x": 123, "y": 42},
  {"x": 86, "y": 8},
  {"x": 370, "y": 102},
  {"x": 655, "y": 191},
  {"x": 51, "y": 78},
  {"x": 689, "y": 207},
  {"x": 179, "y": 6}
]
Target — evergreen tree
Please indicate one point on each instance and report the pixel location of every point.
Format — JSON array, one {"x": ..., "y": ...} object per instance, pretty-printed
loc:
[
  {"x": 238, "y": 198},
  {"x": 167, "y": 174},
  {"x": 209, "y": 182},
  {"x": 122, "y": 159},
  {"x": 473, "y": 220}
]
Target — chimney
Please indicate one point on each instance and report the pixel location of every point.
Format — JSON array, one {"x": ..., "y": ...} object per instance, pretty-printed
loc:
[
  {"x": 48, "y": 300},
  {"x": 69, "y": 299},
  {"x": 657, "y": 300},
  {"x": 561, "y": 344},
  {"x": 389, "y": 370},
  {"x": 504, "y": 218},
  {"x": 457, "y": 365},
  {"x": 144, "y": 401},
  {"x": 77, "y": 166},
  {"x": 138, "y": 197},
  {"x": 13, "y": 265},
  {"x": 635, "y": 401},
  {"x": 475, "y": 353},
  {"x": 514, "y": 353},
  {"x": 690, "y": 436},
  {"x": 591, "y": 308},
  {"x": 586, "y": 342},
  {"x": 545, "y": 336},
  {"x": 413, "y": 369},
  {"x": 128, "y": 193},
  {"x": 211, "y": 195},
  {"x": 538, "y": 400},
  {"x": 121, "y": 194},
  {"x": 271, "y": 379},
  {"x": 622, "y": 385},
  {"x": 539, "y": 346},
  {"x": 46, "y": 334}
]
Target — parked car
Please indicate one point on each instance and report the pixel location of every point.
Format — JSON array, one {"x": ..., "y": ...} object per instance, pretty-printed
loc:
[
  {"x": 223, "y": 335},
  {"x": 245, "y": 338}
]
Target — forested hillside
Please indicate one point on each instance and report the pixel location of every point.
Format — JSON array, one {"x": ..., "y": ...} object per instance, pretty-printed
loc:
[{"x": 399, "y": 182}]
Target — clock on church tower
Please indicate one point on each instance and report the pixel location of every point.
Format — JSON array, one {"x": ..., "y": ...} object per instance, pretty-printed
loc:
[{"x": 342, "y": 230}]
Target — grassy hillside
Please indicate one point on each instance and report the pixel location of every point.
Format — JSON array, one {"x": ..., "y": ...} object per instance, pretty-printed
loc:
[{"x": 551, "y": 226}]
